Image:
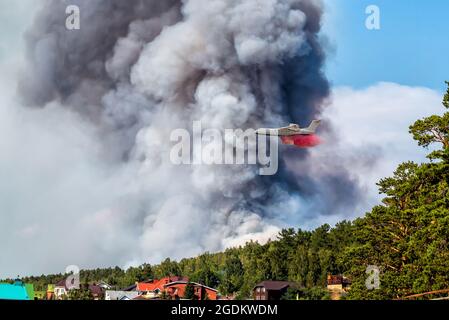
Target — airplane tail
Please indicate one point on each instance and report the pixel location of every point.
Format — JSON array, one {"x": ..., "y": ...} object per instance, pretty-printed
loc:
[{"x": 314, "y": 125}]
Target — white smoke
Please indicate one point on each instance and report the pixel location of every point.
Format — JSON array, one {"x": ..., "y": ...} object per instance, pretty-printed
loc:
[{"x": 194, "y": 69}]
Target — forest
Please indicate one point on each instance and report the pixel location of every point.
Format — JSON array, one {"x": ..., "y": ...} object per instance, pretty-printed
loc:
[{"x": 406, "y": 236}]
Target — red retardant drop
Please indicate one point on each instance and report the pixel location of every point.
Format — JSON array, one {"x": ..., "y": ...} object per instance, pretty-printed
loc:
[{"x": 302, "y": 141}]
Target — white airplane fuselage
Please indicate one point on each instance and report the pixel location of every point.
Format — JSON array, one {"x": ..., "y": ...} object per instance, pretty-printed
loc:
[
  {"x": 291, "y": 130},
  {"x": 282, "y": 132},
  {"x": 295, "y": 135}
]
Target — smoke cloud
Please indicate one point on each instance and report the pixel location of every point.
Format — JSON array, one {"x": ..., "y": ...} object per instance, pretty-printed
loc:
[{"x": 138, "y": 69}]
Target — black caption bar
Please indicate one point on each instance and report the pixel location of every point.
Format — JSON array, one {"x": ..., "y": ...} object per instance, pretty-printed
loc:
[{"x": 174, "y": 310}]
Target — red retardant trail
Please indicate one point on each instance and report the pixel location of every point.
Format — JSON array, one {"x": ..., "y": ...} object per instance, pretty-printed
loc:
[{"x": 302, "y": 141}]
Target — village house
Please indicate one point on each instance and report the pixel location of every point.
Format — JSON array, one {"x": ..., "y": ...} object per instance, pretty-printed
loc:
[
  {"x": 60, "y": 290},
  {"x": 337, "y": 285},
  {"x": 271, "y": 290},
  {"x": 176, "y": 290},
  {"x": 174, "y": 287},
  {"x": 153, "y": 288},
  {"x": 96, "y": 291}
]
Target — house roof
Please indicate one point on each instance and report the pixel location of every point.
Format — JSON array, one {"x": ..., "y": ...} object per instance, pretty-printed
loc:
[
  {"x": 130, "y": 288},
  {"x": 62, "y": 284},
  {"x": 134, "y": 286},
  {"x": 275, "y": 285},
  {"x": 95, "y": 289},
  {"x": 158, "y": 284},
  {"x": 142, "y": 286},
  {"x": 187, "y": 282},
  {"x": 121, "y": 295}
]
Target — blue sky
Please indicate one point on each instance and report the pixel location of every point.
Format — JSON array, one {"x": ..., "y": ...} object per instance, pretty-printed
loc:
[{"x": 411, "y": 48}]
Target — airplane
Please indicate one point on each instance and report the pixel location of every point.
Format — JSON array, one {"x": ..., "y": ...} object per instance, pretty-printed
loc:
[{"x": 295, "y": 135}]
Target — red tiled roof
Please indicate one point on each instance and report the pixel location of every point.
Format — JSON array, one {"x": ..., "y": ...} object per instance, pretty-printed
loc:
[{"x": 142, "y": 286}]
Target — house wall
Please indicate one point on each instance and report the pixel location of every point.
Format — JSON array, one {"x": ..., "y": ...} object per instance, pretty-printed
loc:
[
  {"x": 211, "y": 295},
  {"x": 337, "y": 290},
  {"x": 264, "y": 294},
  {"x": 335, "y": 287},
  {"x": 60, "y": 292},
  {"x": 260, "y": 293}
]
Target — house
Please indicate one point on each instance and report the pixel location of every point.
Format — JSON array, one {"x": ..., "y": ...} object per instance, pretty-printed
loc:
[
  {"x": 271, "y": 290},
  {"x": 60, "y": 290},
  {"x": 96, "y": 291},
  {"x": 120, "y": 295},
  {"x": 157, "y": 285},
  {"x": 176, "y": 290},
  {"x": 174, "y": 287},
  {"x": 153, "y": 288},
  {"x": 16, "y": 291},
  {"x": 337, "y": 285}
]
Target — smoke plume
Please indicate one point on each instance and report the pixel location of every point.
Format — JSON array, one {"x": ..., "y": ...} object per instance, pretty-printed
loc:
[{"x": 138, "y": 69}]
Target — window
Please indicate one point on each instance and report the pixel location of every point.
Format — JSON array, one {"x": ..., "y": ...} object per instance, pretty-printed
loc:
[
  {"x": 263, "y": 290},
  {"x": 258, "y": 290}
]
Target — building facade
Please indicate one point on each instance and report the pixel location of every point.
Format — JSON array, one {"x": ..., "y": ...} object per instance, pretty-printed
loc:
[{"x": 271, "y": 290}]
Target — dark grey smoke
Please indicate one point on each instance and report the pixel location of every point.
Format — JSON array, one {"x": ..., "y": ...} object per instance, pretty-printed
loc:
[{"x": 139, "y": 68}]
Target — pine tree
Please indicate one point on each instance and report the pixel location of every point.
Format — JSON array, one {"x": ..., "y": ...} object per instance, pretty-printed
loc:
[{"x": 189, "y": 292}]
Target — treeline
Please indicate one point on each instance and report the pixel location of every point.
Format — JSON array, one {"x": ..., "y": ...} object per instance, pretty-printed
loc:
[
  {"x": 406, "y": 237},
  {"x": 305, "y": 257}
]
